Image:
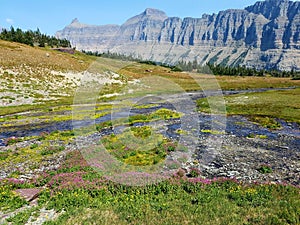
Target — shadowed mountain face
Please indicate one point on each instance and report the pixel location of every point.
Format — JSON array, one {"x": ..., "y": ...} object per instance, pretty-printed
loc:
[{"x": 264, "y": 35}]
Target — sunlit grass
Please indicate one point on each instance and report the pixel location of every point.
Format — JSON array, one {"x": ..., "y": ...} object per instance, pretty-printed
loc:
[
  {"x": 193, "y": 81},
  {"x": 261, "y": 107},
  {"x": 173, "y": 201}
]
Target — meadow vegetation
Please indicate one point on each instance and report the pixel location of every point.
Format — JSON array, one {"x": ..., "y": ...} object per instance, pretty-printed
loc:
[
  {"x": 139, "y": 146},
  {"x": 84, "y": 196},
  {"x": 263, "y": 108}
]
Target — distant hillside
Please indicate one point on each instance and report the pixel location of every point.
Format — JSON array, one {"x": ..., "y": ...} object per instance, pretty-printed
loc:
[{"x": 265, "y": 35}]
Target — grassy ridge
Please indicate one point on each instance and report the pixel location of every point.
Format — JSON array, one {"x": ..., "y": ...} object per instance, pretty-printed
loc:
[{"x": 15, "y": 54}]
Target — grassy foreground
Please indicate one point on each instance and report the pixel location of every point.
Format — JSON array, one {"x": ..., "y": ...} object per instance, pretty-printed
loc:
[{"x": 85, "y": 197}]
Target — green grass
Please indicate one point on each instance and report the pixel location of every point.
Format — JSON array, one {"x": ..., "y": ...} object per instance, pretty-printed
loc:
[
  {"x": 45, "y": 114},
  {"x": 22, "y": 217},
  {"x": 9, "y": 200},
  {"x": 173, "y": 201},
  {"x": 193, "y": 81},
  {"x": 265, "y": 169},
  {"x": 36, "y": 107},
  {"x": 160, "y": 114},
  {"x": 215, "y": 132},
  {"x": 182, "y": 203},
  {"x": 171, "y": 81},
  {"x": 146, "y": 106},
  {"x": 261, "y": 108},
  {"x": 138, "y": 146}
]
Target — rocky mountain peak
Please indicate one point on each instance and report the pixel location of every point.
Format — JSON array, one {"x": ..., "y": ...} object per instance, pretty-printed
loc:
[
  {"x": 148, "y": 14},
  {"x": 277, "y": 1},
  {"x": 75, "y": 21},
  {"x": 76, "y": 24},
  {"x": 263, "y": 35},
  {"x": 155, "y": 12}
]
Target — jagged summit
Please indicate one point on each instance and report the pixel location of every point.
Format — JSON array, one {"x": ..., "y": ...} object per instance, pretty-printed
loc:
[
  {"x": 148, "y": 14},
  {"x": 75, "y": 21},
  {"x": 76, "y": 24},
  {"x": 272, "y": 9},
  {"x": 155, "y": 12},
  {"x": 263, "y": 35},
  {"x": 277, "y": 1}
]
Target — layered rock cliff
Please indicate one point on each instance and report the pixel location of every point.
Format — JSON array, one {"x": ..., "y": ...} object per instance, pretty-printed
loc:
[{"x": 264, "y": 35}]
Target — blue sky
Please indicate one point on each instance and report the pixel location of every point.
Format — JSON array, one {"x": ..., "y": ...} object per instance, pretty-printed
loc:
[{"x": 52, "y": 15}]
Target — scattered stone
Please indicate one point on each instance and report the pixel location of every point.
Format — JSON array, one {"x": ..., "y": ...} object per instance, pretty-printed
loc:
[
  {"x": 45, "y": 215},
  {"x": 29, "y": 194}
]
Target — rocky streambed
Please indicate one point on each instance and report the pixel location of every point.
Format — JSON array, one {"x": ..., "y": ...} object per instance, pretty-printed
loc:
[{"x": 222, "y": 146}]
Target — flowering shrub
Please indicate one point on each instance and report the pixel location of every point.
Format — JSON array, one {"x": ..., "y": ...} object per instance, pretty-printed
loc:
[
  {"x": 14, "y": 183},
  {"x": 76, "y": 186},
  {"x": 200, "y": 180},
  {"x": 195, "y": 172},
  {"x": 74, "y": 162},
  {"x": 74, "y": 180}
]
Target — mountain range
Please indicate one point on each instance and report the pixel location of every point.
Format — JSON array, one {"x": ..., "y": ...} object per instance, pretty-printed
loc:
[{"x": 265, "y": 35}]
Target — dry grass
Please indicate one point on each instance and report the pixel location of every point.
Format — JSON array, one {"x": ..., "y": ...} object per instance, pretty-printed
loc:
[
  {"x": 192, "y": 81},
  {"x": 242, "y": 83},
  {"x": 15, "y": 54},
  {"x": 32, "y": 75}
]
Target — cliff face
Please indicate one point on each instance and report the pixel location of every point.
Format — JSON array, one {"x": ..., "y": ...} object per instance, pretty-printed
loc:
[
  {"x": 89, "y": 37},
  {"x": 282, "y": 32},
  {"x": 264, "y": 35}
]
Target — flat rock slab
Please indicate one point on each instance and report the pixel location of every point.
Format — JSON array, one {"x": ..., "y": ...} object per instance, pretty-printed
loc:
[{"x": 29, "y": 194}]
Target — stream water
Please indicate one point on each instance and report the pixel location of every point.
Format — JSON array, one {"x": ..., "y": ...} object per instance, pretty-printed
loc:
[{"x": 235, "y": 125}]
